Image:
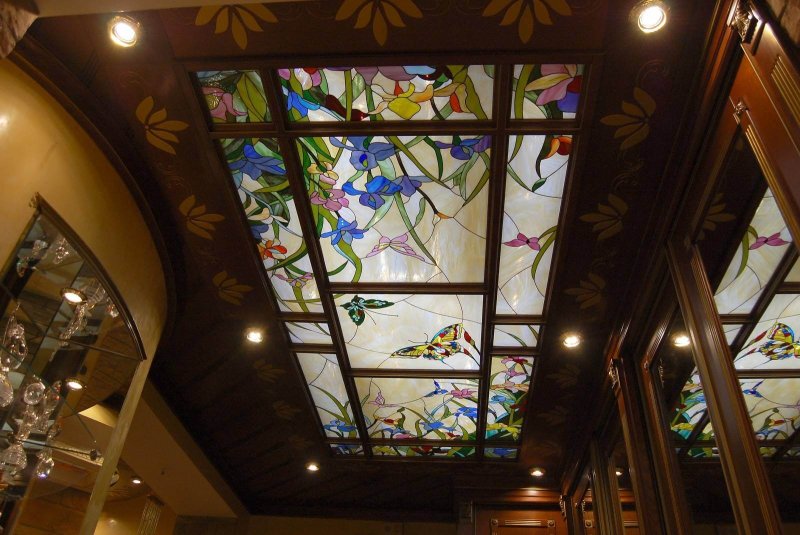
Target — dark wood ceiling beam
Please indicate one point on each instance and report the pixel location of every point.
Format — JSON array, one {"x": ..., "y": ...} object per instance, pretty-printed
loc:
[
  {"x": 416, "y": 374},
  {"x": 408, "y": 288},
  {"x": 312, "y": 348}
]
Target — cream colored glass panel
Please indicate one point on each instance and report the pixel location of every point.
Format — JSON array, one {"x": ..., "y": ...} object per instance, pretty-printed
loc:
[
  {"x": 516, "y": 335},
  {"x": 794, "y": 274},
  {"x": 774, "y": 406},
  {"x": 309, "y": 333},
  {"x": 773, "y": 344},
  {"x": 765, "y": 243},
  {"x": 327, "y": 389},
  {"x": 731, "y": 331},
  {"x": 435, "y": 409},
  {"x": 412, "y": 331},
  {"x": 529, "y": 224}
]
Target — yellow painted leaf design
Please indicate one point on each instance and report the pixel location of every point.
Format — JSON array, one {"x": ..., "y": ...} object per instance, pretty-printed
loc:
[
  {"x": 144, "y": 108},
  {"x": 348, "y": 8},
  {"x": 408, "y": 7},
  {"x": 512, "y": 14},
  {"x": 157, "y": 117},
  {"x": 379, "y": 28},
  {"x": 632, "y": 109},
  {"x": 159, "y": 143},
  {"x": 627, "y": 130},
  {"x": 496, "y": 6},
  {"x": 542, "y": 14},
  {"x": 261, "y": 11},
  {"x": 222, "y": 20},
  {"x": 617, "y": 120},
  {"x": 205, "y": 14},
  {"x": 645, "y": 101},
  {"x": 393, "y": 15},
  {"x": 636, "y": 138},
  {"x": 364, "y": 17},
  {"x": 560, "y": 6},
  {"x": 238, "y": 32},
  {"x": 249, "y": 20},
  {"x": 526, "y": 25},
  {"x": 173, "y": 126}
]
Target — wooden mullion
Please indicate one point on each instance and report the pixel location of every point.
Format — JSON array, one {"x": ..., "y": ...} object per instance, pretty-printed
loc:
[
  {"x": 312, "y": 348},
  {"x": 505, "y": 319},
  {"x": 242, "y": 130},
  {"x": 768, "y": 374},
  {"x": 422, "y": 442},
  {"x": 407, "y": 288},
  {"x": 415, "y": 374},
  {"x": 302, "y": 317},
  {"x": 789, "y": 288},
  {"x": 728, "y": 319},
  {"x": 295, "y": 177},
  {"x": 516, "y": 351},
  {"x": 494, "y": 229},
  {"x": 394, "y": 128}
]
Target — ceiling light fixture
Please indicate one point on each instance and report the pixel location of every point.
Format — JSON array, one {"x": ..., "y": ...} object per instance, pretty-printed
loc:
[
  {"x": 255, "y": 336},
  {"x": 123, "y": 30},
  {"x": 537, "y": 472},
  {"x": 681, "y": 340},
  {"x": 618, "y": 472},
  {"x": 312, "y": 467},
  {"x": 73, "y": 296},
  {"x": 572, "y": 340},
  {"x": 650, "y": 15},
  {"x": 75, "y": 384},
  {"x": 136, "y": 480}
]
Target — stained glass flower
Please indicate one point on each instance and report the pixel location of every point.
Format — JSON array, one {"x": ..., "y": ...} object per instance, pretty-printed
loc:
[
  {"x": 365, "y": 156},
  {"x": 464, "y": 393},
  {"x": 308, "y": 77},
  {"x": 340, "y": 426},
  {"x": 254, "y": 164},
  {"x": 522, "y": 240},
  {"x": 297, "y": 282},
  {"x": 373, "y": 196},
  {"x": 345, "y": 231},
  {"x": 410, "y": 184},
  {"x": 334, "y": 200},
  {"x": 296, "y": 102},
  {"x": 326, "y": 173},
  {"x": 272, "y": 249},
  {"x": 220, "y": 103},
  {"x": 559, "y": 83},
  {"x": 774, "y": 240},
  {"x": 463, "y": 149}
]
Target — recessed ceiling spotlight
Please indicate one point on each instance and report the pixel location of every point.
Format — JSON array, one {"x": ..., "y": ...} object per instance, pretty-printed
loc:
[
  {"x": 73, "y": 296},
  {"x": 650, "y": 15},
  {"x": 572, "y": 340},
  {"x": 312, "y": 467},
  {"x": 681, "y": 340},
  {"x": 73, "y": 383},
  {"x": 537, "y": 472},
  {"x": 136, "y": 480},
  {"x": 255, "y": 336},
  {"x": 124, "y": 30}
]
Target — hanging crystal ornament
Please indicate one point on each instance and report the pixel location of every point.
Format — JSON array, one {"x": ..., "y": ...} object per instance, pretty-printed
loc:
[
  {"x": 6, "y": 391},
  {"x": 30, "y": 418},
  {"x": 54, "y": 431},
  {"x": 15, "y": 347},
  {"x": 45, "y": 464},
  {"x": 34, "y": 393},
  {"x": 79, "y": 320},
  {"x": 61, "y": 251},
  {"x": 13, "y": 459},
  {"x": 37, "y": 252},
  {"x": 111, "y": 310}
]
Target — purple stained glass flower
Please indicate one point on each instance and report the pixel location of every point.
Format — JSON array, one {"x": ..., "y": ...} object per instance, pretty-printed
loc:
[
  {"x": 334, "y": 201},
  {"x": 254, "y": 164},
  {"x": 522, "y": 240},
  {"x": 396, "y": 73},
  {"x": 345, "y": 231},
  {"x": 410, "y": 184},
  {"x": 377, "y": 188},
  {"x": 365, "y": 156},
  {"x": 774, "y": 240},
  {"x": 464, "y": 149}
]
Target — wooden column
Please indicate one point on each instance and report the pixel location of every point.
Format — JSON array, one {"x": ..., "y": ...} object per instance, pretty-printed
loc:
[
  {"x": 637, "y": 447},
  {"x": 572, "y": 514},
  {"x": 676, "y": 515},
  {"x": 748, "y": 486},
  {"x": 605, "y": 494}
]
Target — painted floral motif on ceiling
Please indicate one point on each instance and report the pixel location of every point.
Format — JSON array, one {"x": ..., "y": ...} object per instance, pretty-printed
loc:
[
  {"x": 159, "y": 131},
  {"x": 526, "y": 13},
  {"x": 239, "y": 19}
]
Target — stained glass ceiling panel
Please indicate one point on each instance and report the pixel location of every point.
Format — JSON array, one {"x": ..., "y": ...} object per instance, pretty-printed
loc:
[
  {"x": 774, "y": 406},
  {"x": 535, "y": 179},
  {"x": 794, "y": 274},
  {"x": 412, "y": 331},
  {"x": 259, "y": 174},
  {"x": 430, "y": 409},
  {"x": 457, "y": 452},
  {"x": 347, "y": 449},
  {"x": 548, "y": 91},
  {"x": 691, "y": 407},
  {"x": 773, "y": 344},
  {"x": 766, "y": 241},
  {"x": 394, "y": 93},
  {"x": 309, "y": 333},
  {"x": 399, "y": 209},
  {"x": 234, "y": 96},
  {"x": 327, "y": 388},
  {"x": 501, "y": 453},
  {"x": 516, "y": 335},
  {"x": 510, "y": 382},
  {"x": 731, "y": 331}
]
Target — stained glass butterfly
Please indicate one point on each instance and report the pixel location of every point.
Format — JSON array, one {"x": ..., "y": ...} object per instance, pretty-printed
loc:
[
  {"x": 780, "y": 343},
  {"x": 356, "y": 308},
  {"x": 444, "y": 344}
]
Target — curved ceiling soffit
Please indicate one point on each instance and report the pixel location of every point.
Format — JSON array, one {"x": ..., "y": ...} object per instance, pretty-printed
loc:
[{"x": 44, "y": 67}]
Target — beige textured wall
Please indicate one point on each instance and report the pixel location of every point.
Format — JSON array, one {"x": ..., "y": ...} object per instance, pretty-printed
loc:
[
  {"x": 122, "y": 518},
  {"x": 44, "y": 150}
]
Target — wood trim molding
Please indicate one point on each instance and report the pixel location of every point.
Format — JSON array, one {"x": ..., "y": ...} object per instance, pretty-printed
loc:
[{"x": 748, "y": 485}]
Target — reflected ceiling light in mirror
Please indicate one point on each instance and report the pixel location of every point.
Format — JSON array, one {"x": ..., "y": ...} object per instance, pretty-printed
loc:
[
  {"x": 123, "y": 30},
  {"x": 681, "y": 340},
  {"x": 75, "y": 384},
  {"x": 537, "y": 472},
  {"x": 73, "y": 296},
  {"x": 650, "y": 15},
  {"x": 255, "y": 336},
  {"x": 136, "y": 480},
  {"x": 571, "y": 340},
  {"x": 312, "y": 467}
]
